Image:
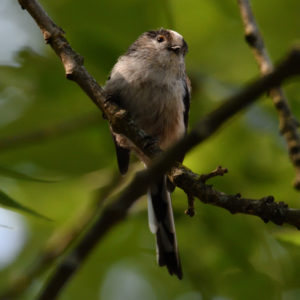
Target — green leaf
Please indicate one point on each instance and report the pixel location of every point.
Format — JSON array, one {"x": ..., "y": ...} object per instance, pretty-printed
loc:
[
  {"x": 7, "y": 201},
  {"x": 21, "y": 176},
  {"x": 289, "y": 236}
]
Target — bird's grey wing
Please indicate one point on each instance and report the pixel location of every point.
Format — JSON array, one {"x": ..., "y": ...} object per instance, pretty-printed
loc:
[{"x": 123, "y": 154}]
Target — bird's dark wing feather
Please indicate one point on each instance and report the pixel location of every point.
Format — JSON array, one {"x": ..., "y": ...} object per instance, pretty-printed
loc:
[
  {"x": 186, "y": 102},
  {"x": 123, "y": 154}
]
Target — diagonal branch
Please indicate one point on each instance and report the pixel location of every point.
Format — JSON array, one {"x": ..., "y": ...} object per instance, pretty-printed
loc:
[{"x": 287, "y": 122}]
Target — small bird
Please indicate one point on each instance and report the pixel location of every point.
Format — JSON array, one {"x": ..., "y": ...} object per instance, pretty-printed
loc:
[{"x": 150, "y": 82}]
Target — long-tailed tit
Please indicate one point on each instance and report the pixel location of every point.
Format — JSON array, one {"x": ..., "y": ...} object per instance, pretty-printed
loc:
[{"x": 150, "y": 82}]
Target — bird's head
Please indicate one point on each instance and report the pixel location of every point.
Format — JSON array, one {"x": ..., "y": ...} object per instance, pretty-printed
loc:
[{"x": 163, "y": 45}]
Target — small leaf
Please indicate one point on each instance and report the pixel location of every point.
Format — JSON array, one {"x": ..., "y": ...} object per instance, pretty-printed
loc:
[
  {"x": 289, "y": 236},
  {"x": 7, "y": 201},
  {"x": 21, "y": 176}
]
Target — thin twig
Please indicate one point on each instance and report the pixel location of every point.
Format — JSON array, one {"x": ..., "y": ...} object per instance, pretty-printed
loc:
[
  {"x": 219, "y": 171},
  {"x": 50, "y": 132},
  {"x": 265, "y": 208},
  {"x": 287, "y": 122},
  {"x": 190, "y": 211}
]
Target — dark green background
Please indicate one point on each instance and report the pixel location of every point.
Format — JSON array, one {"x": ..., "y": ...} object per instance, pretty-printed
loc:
[{"x": 223, "y": 256}]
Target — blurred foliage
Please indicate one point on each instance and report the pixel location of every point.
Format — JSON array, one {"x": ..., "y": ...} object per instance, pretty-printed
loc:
[
  {"x": 223, "y": 256},
  {"x": 7, "y": 201}
]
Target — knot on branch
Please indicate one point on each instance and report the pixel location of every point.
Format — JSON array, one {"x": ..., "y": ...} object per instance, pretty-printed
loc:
[
  {"x": 55, "y": 33},
  {"x": 288, "y": 124},
  {"x": 72, "y": 64},
  {"x": 273, "y": 211},
  {"x": 251, "y": 38},
  {"x": 233, "y": 203}
]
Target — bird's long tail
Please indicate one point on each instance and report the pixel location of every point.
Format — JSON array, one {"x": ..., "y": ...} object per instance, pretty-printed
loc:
[{"x": 161, "y": 223}]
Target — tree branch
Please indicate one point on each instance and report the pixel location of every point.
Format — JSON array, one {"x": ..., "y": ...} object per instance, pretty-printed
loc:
[
  {"x": 265, "y": 208},
  {"x": 287, "y": 122}
]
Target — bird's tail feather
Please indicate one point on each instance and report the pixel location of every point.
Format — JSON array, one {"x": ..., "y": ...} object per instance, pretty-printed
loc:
[{"x": 161, "y": 223}]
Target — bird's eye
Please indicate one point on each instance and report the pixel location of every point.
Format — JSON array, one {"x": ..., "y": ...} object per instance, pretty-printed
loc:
[{"x": 160, "y": 38}]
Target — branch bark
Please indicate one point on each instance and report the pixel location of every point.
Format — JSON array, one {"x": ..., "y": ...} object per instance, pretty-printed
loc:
[
  {"x": 288, "y": 124},
  {"x": 190, "y": 182}
]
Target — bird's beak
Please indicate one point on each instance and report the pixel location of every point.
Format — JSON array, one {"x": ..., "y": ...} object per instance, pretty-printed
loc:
[{"x": 175, "y": 48}]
